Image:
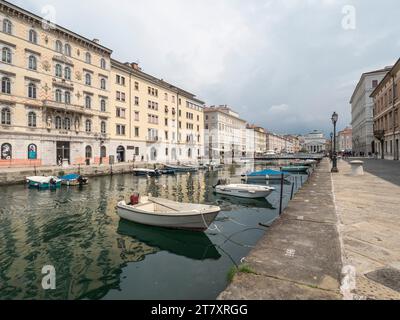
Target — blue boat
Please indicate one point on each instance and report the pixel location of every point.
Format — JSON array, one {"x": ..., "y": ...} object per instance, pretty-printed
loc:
[
  {"x": 266, "y": 175},
  {"x": 74, "y": 180}
]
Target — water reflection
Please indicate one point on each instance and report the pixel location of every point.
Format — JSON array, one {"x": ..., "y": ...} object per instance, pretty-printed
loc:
[{"x": 193, "y": 245}]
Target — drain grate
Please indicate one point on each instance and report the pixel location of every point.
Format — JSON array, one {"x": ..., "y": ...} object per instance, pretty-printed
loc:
[{"x": 387, "y": 277}]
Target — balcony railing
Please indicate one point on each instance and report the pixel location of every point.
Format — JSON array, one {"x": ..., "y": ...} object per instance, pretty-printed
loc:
[
  {"x": 153, "y": 139},
  {"x": 63, "y": 106}
]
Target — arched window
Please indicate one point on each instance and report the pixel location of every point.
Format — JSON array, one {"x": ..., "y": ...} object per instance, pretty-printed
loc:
[
  {"x": 103, "y": 127},
  {"x": 58, "y": 123},
  {"x": 103, "y": 105},
  {"x": 32, "y": 63},
  {"x": 59, "y": 46},
  {"x": 88, "y": 102},
  {"x": 103, "y": 63},
  {"x": 103, "y": 152},
  {"x": 6, "y": 85},
  {"x": 88, "y": 57},
  {"x": 88, "y": 79},
  {"x": 58, "y": 95},
  {"x": 67, "y": 124},
  {"x": 32, "y": 119},
  {"x": 6, "y": 151},
  {"x": 88, "y": 152},
  {"x": 67, "y": 50},
  {"x": 103, "y": 84},
  {"x": 6, "y": 55},
  {"x": 7, "y": 26},
  {"x": 32, "y": 152},
  {"x": 32, "y": 91},
  {"x": 67, "y": 73},
  {"x": 32, "y": 36},
  {"x": 58, "y": 70},
  {"x": 5, "y": 116},
  {"x": 88, "y": 126},
  {"x": 67, "y": 97}
]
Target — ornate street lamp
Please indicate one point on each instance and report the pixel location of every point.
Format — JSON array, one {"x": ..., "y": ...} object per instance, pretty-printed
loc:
[{"x": 335, "y": 118}]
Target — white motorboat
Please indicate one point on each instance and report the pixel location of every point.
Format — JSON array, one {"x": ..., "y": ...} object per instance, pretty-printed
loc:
[
  {"x": 244, "y": 190},
  {"x": 168, "y": 214}
]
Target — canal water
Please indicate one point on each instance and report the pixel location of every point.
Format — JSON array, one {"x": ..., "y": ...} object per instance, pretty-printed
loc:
[{"x": 98, "y": 256}]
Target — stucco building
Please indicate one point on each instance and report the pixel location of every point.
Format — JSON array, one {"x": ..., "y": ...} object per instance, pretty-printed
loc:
[
  {"x": 362, "y": 112},
  {"x": 260, "y": 140},
  {"x": 386, "y": 114},
  {"x": 315, "y": 142},
  {"x": 63, "y": 97},
  {"x": 345, "y": 142}
]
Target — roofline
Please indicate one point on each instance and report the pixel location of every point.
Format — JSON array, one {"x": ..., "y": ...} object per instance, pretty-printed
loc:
[
  {"x": 389, "y": 74},
  {"x": 218, "y": 109},
  {"x": 140, "y": 74},
  {"x": 39, "y": 19},
  {"x": 362, "y": 78}
]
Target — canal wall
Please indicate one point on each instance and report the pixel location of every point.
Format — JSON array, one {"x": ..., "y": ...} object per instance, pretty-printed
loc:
[
  {"x": 9, "y": 176},
  {"x": 300, "y": 256}
]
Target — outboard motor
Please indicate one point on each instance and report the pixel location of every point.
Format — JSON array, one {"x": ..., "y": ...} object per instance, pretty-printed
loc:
[{"x": 135, "y": 199}]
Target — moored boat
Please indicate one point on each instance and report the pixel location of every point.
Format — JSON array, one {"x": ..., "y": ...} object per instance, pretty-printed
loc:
[
  {"x": 168, "y": 214},
  {"x": 44, "y": 182},
  {"x": 181, "y": 168},
  {"x": 296, "y": 169},
  {"x": 147, "y": 172},
  {"x": 265, "y": 175},
  {"x": 244, "y": 190},
  {"x": 74, "y": 180}
]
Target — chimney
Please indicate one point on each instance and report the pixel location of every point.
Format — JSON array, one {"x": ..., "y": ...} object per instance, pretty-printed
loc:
[
  {"x": 96, "y": 41},
  {"x": 135, "y": 66}
]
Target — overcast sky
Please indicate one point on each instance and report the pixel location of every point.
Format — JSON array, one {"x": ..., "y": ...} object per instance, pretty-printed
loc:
[{"x": 282, "y": 64}]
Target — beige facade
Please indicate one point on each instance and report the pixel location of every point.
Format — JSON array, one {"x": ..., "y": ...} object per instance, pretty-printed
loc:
[
  {"x": 260, "y": 140},
  {"x": 62, "y": 97},
  {"x": 386, "y": 114},
  {"x": 345, "y": 140}
]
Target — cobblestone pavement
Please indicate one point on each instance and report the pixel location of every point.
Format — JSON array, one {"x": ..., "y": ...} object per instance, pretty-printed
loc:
[{"x": 368, "y": 207}]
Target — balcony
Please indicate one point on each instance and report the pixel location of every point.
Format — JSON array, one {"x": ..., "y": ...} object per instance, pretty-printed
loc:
[
  {"x": 153, "y": 139},
  {"x": 379, "y": 134},
  {"x": 65, "y": 107}
]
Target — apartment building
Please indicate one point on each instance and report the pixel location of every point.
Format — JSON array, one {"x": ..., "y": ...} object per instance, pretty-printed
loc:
[
  {"x": 54, "y": 98},
  {"x": 280, "y": 144},
  {"x": 362, "y": 112},
  {"x": 345, "y": 142},
  {"x": 225, "y": 134},
  {"x": 153, "y": 121},
  {"x": 63, "y": 98},
  {"x": 386, "y": 114},
  {"x": 260, "y": 139}
]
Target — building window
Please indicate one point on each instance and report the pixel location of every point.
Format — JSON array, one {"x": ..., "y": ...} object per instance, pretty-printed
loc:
[
  {"x": 88, "y": 126},
  {"x": 67, "y": 97},
  {"x": 103, "y": 84},
  {"x": 374, "y": 83},
  {"x": 88, "y": 79},
  {"x": 67, "y": 73},
  {"x": 103, "y": 63},
  {"x": 58, "y": 123},
  {"x": 6, "y": 55},
  {"x": 7, "y": 26},
  {"x": 58, "y": 95},
  {"x": 120, "y": 113},
  {"x": 136, "y": 131},
  {"x": 59, "y": 46},
  {"x": 32, "y": 91},
  {"x": 103, "y": 105},
  {"x": 32, "y": 63},
  {"x": 6, "y": 85},
  {"x": 88, "y": 58},
  {"x": 88, "y": 102},
  {"x": 6, "y": 151},
  {"x": 67, "y": 124},
  {"x": 32, "y": 119},
  {"x": 58, "y": 71},
  {"x": 136, "y": 101},
  {"x": 103, "y": 127},
  {"x": 88, "y": 152},
  {"x": 120, "y": 130},
  {"x": 67, "y": 50},
  {"x": 5, "y": 116},
  {"x": 136, "y": 85},
  {"x": 33, "y": 36},
  {"x": 136, "y": 115}
]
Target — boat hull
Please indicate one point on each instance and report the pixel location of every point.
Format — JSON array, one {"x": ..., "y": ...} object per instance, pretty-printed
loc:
[
  {"x": 243, "y": 193},
  {"x": 265, "y": 177},
  {"x": 184, "y": 221},
  {"x": 181, "y": 169},
  {"x": 44, "y": 185}
]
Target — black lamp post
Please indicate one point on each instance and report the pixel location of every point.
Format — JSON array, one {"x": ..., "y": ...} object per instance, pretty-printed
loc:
[
  {"x": 335, "y": 118},
  {"x": 331, "y": 146}
]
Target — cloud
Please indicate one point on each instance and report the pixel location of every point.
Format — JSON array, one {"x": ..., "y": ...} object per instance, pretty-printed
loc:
[{"x": 251, "y": 54}]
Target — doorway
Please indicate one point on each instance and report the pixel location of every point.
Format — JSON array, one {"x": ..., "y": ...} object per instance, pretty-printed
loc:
[
  {"x": 121, "y": 154},
  {"x": 63, "y": 151}
]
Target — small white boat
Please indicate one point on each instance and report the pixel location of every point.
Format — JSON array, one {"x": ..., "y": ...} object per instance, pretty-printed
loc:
[
  {"x": 244, "y": 190},
  {"x": 43, "y": 182},
  {"x": 169, "y": 214}
]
